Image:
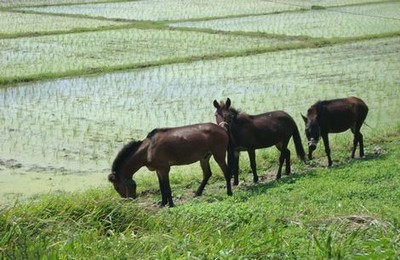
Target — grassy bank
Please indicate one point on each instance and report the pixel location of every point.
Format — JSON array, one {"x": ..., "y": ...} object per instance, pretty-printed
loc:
[{"x": 349, "y": 210}]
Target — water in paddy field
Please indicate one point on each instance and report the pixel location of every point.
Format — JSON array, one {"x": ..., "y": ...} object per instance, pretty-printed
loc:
[{"x": 63, "y": 135}]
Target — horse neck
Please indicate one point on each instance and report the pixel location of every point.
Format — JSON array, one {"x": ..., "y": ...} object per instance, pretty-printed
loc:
[
  {"x": 135, "y": 161},
  {"x": 237, "y": 125}
]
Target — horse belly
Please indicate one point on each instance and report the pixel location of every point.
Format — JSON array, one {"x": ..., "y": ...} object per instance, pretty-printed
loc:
[
  {"x": 186, "y": 157},
  {"x": 336, "y": 130},
  {"x": 258, "y": 142},
  {"x": 184, "y": 154},
  {"x": 338, "y": 125}
]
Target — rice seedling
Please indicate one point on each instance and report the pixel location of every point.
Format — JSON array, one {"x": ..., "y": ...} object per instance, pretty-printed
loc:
[
  {"x": 24, "y": 23},
  {"x": 20, "y": 3},
  {"x": 387, "y": 10},
  {"x": 166, "y": 10},
  {"x": 96, "y": 51},
  {"x": 326, "y": 23},
  {"x": 325, "y": 3}
]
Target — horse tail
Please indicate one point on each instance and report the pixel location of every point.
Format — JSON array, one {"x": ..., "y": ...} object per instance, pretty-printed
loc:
[
  {"x": 367, "y": 124},
  {"x": 297, "y": 143}
]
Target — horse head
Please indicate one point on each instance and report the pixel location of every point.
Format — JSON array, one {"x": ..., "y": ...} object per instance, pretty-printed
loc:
[
  {"x": 126, "y": 188},
  {"x": 312, "y": 130},
  {"x": 223, "y": 115}
]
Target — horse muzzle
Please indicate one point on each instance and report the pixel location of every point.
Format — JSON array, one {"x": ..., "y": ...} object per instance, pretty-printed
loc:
[
  {"x": 312, "y": 145},
  {"x": 224, "y": 125},
  {"x": 130, "y": 190}
]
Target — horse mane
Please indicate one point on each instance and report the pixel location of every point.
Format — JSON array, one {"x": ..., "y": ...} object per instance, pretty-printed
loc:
[
  {"x": 235, "y": 112},
  {"x": 315, "y": 109},
  {"x": 124, "y": 154},
  {"x": 155, "y": 131}
]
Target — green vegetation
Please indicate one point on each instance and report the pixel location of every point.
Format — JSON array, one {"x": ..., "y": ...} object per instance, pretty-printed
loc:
[{"x": 350, "y": 210}]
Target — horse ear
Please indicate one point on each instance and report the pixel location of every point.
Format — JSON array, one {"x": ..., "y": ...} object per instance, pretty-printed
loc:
[
  {"x": 228, "y": 103},
  {"x": 304, "y": 118},
  {"x": 216, "y": 105}
]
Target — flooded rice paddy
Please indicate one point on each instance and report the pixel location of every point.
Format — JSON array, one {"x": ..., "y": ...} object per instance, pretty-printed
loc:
[
  {"x": 63, "y": 135},
  {"x": 350, "y": 21}
]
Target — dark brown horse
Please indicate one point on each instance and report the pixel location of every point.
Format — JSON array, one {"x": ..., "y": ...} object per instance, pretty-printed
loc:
[
  {"x": 251, "y": 132},
  {"x": 165, "y": 147},
  {"x": 335, "y": 116}
]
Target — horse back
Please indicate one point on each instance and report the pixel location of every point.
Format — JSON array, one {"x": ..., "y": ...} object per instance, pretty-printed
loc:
[
  {"x": 338, "y": 115},
  {"x": 186, "y": 144},
  {"x": 264, "y": 130},
  {"x": 274, "y": 120}
]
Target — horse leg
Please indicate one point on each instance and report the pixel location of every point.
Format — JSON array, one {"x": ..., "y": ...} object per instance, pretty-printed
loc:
[
  {"x": 358, "y": 138},
  {"x": 232, "y": 165},
  {"x": 327, "y": 148},
  {"x": 282, "y": 157},
  {"x": 235, "y": 167},
  {"x": 205, "y": 166},
  {"x": 355, "y": 142},
  {"x": 252, "y": 157},
  {"x": 286, "y": 154},
  {"x": 361, "y": 142},
  {"x": 166, "y": 196},
  {"x": 220, "y": 159},
  {"x": 287, "y": 159},
  {"x": 162, "y": 189}
]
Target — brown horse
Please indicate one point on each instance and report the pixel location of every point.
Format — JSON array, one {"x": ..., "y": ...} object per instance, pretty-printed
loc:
[
  {"x": 335, "y": 116},
  {"x": 165, "y": 147},
  {"x": 251, "y": 132}
]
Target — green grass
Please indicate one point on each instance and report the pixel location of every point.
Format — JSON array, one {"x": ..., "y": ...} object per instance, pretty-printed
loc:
[{"x": 349, "y": 210}]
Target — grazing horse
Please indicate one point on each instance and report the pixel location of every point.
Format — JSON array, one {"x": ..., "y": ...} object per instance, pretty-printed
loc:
[
  {"x": 335, "y": 116},
  {"x": 251, "y": 132},
  {"x": 165, "y": 147}
]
